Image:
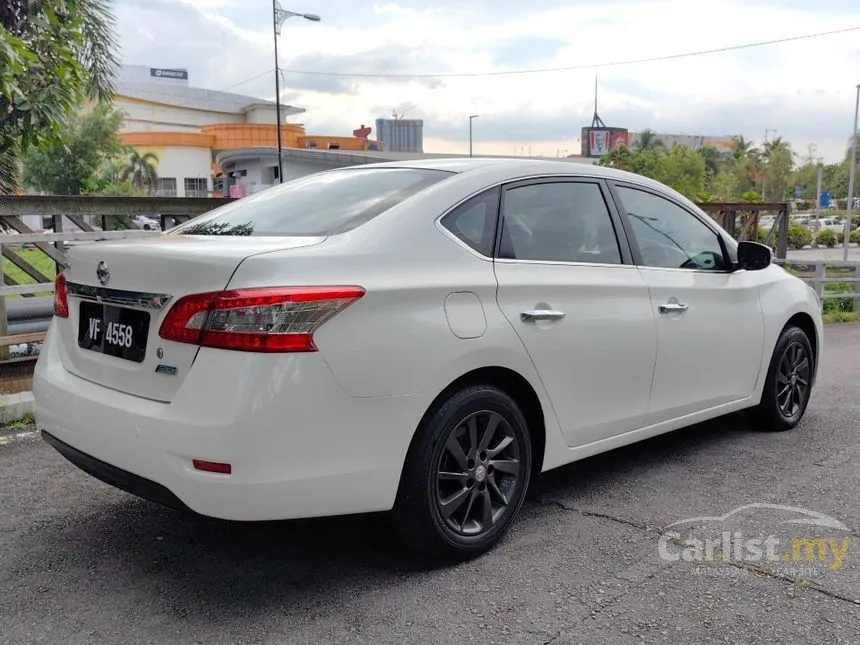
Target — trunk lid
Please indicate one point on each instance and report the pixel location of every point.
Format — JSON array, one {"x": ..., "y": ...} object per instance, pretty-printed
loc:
[{"x": 120, "y": 292}]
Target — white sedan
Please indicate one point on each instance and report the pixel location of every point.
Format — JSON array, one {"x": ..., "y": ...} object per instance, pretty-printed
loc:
[{"x": 422, "y": 338}]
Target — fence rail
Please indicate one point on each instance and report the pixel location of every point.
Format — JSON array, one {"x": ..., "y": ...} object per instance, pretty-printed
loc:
[
  {"x": 35, "y": 257},
  {"x": 818, "y": 274}
]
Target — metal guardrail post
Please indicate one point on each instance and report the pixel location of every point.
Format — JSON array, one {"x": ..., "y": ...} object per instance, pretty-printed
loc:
[
  {"x": 782, "y": 236},
  {"x": 856, "y": 287},
  {"x": 4, "y": 323},
  {"x": 818, "y": 280},
  {"x": 59, "y": 244}
]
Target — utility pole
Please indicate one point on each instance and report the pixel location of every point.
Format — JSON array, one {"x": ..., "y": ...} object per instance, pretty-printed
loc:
[
  {"x": 278, "y": 19},
  {"x": 851, "y": 172},
  {"x": 818, "y": 200}
]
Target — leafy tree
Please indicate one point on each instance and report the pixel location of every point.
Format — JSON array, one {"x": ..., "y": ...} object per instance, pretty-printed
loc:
[
  {"x": 54, "y": 55},
  {"x": 116, "y": 189},
  {"x": 778, "y": 164},
  {"x": 71, "y": 165},
  {"x": 683, "y": 169},
  {"x": 724, "y": 186},
  {"x": 141, "y": 170},
  {"x": 713, "y": 159}
]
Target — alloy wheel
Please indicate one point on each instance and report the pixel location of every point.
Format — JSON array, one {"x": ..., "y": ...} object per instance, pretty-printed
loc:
[
  {"x": 792, "y": 379},
  {"x": 478, "y": 473}
]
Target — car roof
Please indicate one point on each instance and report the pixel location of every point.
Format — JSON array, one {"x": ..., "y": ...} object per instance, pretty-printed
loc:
[
  {"x": 513, "y": 167},
  {"x": 517, "y": 166}
]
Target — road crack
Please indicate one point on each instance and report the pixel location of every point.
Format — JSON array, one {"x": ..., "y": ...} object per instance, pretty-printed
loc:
[
  {"x": 605, "y": 516},
  {"x": 797, "y": 582}
]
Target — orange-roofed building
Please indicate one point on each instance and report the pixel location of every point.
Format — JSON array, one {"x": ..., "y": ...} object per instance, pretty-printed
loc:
[{"x": 186, "y": 128}]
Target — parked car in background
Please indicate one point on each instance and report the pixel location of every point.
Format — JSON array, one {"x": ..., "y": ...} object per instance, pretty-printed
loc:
[
  {"x": 421, "y": 338},
  {"x": 147, "y": 222},
  {"x": 828, "y": 223}
]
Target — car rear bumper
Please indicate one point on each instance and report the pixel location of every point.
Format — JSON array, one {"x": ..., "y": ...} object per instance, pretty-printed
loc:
[
  {"x": 117, "y": 477},
  {"x": 298, "y": 445}
]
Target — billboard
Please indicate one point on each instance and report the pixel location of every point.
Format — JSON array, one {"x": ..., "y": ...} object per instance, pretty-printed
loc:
[{"x": 596, "y": 142}]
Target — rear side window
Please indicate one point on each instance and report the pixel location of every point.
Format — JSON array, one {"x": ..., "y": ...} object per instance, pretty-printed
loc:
[
  {"x": 474, "y": 221},
  {"x": 320, "y": 204}
]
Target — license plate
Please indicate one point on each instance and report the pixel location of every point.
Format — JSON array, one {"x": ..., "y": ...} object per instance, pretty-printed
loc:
[{"x": 115, "y": 331}]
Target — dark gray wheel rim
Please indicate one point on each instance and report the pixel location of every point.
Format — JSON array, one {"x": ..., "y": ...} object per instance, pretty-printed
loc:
[
  {"x": 478, "y": 474},
  {"x": 792, "y": 379}
]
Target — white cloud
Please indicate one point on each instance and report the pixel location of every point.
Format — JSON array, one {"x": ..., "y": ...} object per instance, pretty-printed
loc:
[{"x": 804, "y": 89}]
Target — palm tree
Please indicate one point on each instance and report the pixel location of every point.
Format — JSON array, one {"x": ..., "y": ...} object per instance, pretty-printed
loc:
[
  {"x": 743, "y": 147},
  {"x": 648, "y": 140},
  {"x": 141, "y": 170},
  {"x": 771, "y": 148}
]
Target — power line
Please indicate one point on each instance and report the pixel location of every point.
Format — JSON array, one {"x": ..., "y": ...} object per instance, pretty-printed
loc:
[{"x": 635, "y": 61}]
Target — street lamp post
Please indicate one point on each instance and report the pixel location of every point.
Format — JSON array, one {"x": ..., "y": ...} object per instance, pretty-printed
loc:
[
  {"x": 279, "y": 17},
  {"x": 851, "y": 172},
  {"x": 471, "y": 117}
]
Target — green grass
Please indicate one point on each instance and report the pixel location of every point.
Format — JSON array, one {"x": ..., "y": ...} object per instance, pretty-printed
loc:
[
  {"x": 835, "y": 317},
  {"x": 39, "y": 260},
  {"x": 24, "y": 423}
]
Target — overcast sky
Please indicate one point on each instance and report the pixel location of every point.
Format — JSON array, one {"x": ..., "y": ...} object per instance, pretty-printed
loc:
[{"x": 803, "y": 89}]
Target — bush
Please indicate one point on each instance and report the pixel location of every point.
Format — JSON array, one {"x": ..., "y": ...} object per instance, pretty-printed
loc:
[
  {"x": 799, "y": 236},
  {"x": 831, "y": 305},
  {"x": 828, "y": 238},
  {"x": 762, "y": 237},
  {"x": 855, "y": 236},
  {"x": 803, "y": 205}
]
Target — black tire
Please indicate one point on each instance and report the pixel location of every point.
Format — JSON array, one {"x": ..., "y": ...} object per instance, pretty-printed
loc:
[
  {"x": 418, "y": 515},
  {"x": 789, "y": 382}
]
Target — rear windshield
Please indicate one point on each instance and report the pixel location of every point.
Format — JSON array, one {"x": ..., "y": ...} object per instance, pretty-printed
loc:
[{"x": 325, "y": 203}]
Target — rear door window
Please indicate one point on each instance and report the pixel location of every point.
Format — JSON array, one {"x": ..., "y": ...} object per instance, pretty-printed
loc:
[{"x": 324, "y": 203}]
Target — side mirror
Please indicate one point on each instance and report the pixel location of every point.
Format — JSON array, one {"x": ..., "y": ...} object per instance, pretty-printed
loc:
[{"x": 753, "y": 256}]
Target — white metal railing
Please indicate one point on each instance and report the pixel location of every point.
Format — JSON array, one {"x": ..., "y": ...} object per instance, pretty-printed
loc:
[{"x": 820, "y": 278}]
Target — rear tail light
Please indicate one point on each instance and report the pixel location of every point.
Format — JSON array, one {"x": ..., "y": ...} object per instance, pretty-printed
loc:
[
  {"x": 274, "y": 319},
  {"x": 61, "y": 297}
]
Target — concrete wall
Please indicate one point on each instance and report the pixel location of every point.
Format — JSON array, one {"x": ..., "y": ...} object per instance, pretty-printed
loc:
[
  {"x": 141, "y": 117},
  {"x": 180, "y": 163},
  {"x": 259, "y": 172},
  {"x": 264, "y": 115}
]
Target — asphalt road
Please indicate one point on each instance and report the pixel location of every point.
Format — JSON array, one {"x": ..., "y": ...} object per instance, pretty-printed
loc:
[{"x": 83, "y": 563}]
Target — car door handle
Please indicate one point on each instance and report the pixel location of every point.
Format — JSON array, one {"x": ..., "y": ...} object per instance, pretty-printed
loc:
[
  {"x": 541, "y": 314},
  {"x": 672, "y": 307}
]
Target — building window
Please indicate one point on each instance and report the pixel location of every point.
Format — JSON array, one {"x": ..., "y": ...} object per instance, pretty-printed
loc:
[
  {"x": 196, "y": 187},
  {"x": 165, "y": 187}
]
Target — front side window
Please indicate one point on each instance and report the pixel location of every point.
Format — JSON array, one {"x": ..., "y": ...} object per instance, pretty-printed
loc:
[
  {"x": 324, "y": 203},
  {"x": 558, "y": 222},
  {"x": 669, "y": 236}
]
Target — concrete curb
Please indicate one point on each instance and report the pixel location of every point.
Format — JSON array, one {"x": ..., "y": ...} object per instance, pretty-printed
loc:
[{"x": 15, "y": 406}]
